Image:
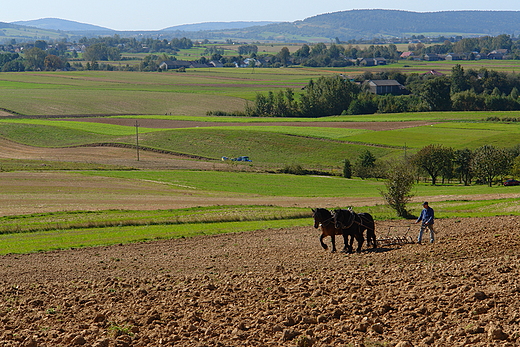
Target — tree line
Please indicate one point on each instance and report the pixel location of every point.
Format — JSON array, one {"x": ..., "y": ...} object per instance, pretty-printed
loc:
[
  {"x": 484, "y": 165},
  {"x": 471, "y": 90},
  {"x": 42, "y": 55}
]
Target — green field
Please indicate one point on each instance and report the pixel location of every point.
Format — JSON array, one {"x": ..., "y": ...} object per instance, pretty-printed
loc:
[
  {"x": 99, "y": 92},
  {"x": 276, "y": 146}
]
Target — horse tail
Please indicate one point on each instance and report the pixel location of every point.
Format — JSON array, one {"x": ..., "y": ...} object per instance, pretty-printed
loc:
[{"x": 371, "y": 228}]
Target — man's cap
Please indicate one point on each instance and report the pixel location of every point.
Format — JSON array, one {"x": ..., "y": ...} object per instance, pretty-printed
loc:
[{"x": 425, "y": 203}]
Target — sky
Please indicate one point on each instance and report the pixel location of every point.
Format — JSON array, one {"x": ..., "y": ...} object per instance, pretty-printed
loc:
[{"x": 160, "y": 14}]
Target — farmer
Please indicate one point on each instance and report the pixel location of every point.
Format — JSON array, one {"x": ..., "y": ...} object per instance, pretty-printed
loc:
[{"x": 427, "y": 219}]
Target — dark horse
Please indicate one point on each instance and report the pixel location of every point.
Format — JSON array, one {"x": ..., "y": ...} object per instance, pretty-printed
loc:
[
  {"x": 354, "y": 224},
  {"x": 325, "y": 219}
]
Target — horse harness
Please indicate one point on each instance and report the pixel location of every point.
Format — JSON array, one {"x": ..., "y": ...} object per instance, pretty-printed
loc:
[{"x": 354, "y": 214}]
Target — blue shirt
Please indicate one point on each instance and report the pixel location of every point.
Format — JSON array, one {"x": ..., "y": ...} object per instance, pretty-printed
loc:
[{"x": 426, "y": 216}]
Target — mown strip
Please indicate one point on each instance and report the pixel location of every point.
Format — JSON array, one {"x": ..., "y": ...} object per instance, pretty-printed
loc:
[
  {"x": 67, "y": 220},
  {"x": 88, "y": 237}
]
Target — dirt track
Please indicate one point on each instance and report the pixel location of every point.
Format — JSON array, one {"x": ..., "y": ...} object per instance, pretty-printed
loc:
[{"x": 270, "y": 288}]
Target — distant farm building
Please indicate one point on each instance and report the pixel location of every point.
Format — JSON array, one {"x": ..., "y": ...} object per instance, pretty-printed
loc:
[
  {"x": 381, "y": 87},
  {"x": 372, "y": 61}
]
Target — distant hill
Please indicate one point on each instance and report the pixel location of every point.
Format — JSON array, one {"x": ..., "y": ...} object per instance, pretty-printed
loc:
[
  {"x": 20, "y": 33},
  {"x": 216, "y": 26},
  {"x": 60, "y": 24},
  {"x": 356, "y": 24},
  {"x": 344, "y": 25},
  {"x": 398, "y": 23}
]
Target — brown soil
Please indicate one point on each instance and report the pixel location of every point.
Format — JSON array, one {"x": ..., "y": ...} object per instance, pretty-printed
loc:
[{"x": 273, "y": 287}]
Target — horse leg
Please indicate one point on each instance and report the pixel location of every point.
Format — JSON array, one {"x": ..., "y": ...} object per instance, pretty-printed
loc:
[
  {"x": 360, "y": 239},
  {"x": 323, "y": 243},
  {"x": 346, "y": 248},
  {"x": 350, "y": 243},
  {"x": 333, "y": 240},
  {"x": 374, "y": 241}
]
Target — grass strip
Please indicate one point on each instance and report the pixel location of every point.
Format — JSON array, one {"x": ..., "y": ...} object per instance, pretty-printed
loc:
[
  {"x": 266, "y": 184},
  {"x": 88, "y": 237},
  {"x": 67, "y": 220}
]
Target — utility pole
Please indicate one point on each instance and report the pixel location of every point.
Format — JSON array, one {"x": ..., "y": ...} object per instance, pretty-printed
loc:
[{"x": 137, "y": 138}]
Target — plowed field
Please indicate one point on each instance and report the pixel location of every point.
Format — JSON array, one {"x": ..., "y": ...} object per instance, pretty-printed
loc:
[{"x": 271, "y": 288}]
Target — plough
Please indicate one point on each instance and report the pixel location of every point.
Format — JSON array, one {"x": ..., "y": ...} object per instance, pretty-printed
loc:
[{"x": 396, "y": 235}]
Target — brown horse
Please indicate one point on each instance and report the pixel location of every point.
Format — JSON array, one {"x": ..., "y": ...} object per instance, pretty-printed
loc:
[
  {"x": 325, "y": 219},
  {"x": 354, "y": 224}
]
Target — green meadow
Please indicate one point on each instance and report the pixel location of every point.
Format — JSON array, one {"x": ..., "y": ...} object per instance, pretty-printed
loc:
[
  {"x": 266, "y": 184},
  {"x": 53, "y": 231}
]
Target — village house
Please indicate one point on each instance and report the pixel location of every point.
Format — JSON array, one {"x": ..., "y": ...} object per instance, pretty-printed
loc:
[
  {"x": 372, "y": 61},
  {"x": 432, "y": 57},
  {"x": 498, "y": 54},
  {"x": 179, "y": 64},
  {"x": 381, "y": 87},
  {"x": 455, "y": 56},
  {"x": 215, "y": 63},
  {"x": 433, "y": 73}
]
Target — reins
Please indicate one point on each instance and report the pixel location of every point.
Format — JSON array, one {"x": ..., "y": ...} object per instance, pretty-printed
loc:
[
  {"x": 327, "y": 221},
  {"x": 363, "y": 225}
]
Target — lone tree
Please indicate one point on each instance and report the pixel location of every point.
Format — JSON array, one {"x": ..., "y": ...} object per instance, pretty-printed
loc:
[
  {"x": 365, "y": 164},
  {"x": 400, "y": 180}
]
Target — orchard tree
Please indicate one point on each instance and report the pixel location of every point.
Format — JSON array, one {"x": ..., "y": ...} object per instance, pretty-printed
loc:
[
  {"x": 34, "y": 59},
  {"x": 436, "y": 93},
  {"x": 490, "y": 162},
  {"x": 515, "y": 170},
  {"x": 458, "y": 79},
  {"x": 284, "y": 56},
  {"x": 434, "y": 159},
  {"x": 463, "y": 158},
  {"x": 96, "y": 52},
  {"x": 53, "y": 63},
  {"x": 347, "y": 169},
  {"x": 365, "y": 165},
  {"x": 41, "y": 44}
]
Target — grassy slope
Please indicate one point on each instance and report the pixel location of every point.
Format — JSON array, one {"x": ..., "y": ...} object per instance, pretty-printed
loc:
[{"x": 272, "y": 146}]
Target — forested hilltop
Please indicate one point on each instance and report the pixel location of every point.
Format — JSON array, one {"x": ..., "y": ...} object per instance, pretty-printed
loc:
[
  {"x": 367, "y": 24},
  {"x": 343, "y": 26}
]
